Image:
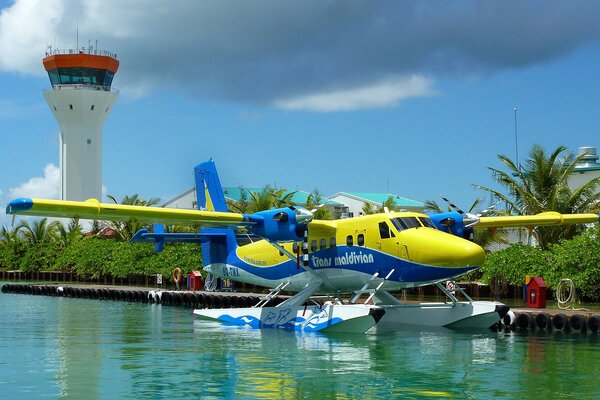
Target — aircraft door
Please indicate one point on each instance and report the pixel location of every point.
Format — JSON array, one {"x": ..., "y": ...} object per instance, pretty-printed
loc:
[{"x": 387, "y": 240}]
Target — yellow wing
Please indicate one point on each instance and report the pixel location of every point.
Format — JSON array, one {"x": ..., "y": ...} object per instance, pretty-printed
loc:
[
  {"x": 93, "y": 209},
  {"x": 546, "y": 218}
]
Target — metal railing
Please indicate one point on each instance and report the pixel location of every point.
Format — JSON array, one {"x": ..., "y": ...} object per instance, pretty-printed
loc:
[
  {"x": 79, "y": 86},
  {"x": 83, "y": 50}
]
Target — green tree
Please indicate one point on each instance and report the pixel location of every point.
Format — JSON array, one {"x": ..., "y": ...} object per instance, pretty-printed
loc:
[
  {"x": 314, "y": 203},
  {"x": 541, "y": 185},
  {"x": 242, "y": 205},
  {"x": 270, "y": 198},
  {"x": 41, "y": 249},
  {"x": 388, "y": 204},
  {"x": 70, "y": 233},
  {"x": 12, "y": 247}
]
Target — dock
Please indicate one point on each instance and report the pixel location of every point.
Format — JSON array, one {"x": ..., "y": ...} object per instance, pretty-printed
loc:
[{"x": 517, "y": 319}]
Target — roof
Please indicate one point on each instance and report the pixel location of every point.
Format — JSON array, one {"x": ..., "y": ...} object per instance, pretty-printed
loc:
[
  {"x": 299, "y": 197},
  {"x": 539, "y": 281},
  {"x": 586, "y": 167},
  {"x": 380, "y": 198}
]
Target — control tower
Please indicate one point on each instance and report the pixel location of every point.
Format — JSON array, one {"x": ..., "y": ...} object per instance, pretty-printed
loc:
[{"x": 81, "y": 99}]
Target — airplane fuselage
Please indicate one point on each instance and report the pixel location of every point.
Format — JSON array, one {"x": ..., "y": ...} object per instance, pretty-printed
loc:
[{"x": 344, "y": 254}]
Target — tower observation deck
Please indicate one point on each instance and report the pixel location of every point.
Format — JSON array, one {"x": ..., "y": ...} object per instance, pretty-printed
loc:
[{"x": 81, "y": 99}]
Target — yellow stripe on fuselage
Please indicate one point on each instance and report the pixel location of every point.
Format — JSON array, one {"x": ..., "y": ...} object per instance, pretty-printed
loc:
[{"x": 262, "y": 254}]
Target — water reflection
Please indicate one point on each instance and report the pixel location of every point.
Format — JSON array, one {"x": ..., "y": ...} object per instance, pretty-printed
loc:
[{"x": 101, "y": 349}]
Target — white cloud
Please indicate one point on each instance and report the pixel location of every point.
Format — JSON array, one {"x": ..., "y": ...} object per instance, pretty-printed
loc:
[
  {"x": 46, "y": 187},
  {"x": 379, "y": 95},
  {"x": 26, "y": 29},
  {"x": 311, "y": 55}
]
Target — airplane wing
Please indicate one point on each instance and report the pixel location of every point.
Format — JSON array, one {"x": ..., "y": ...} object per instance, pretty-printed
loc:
[
  {"x": 93, "y": 209},
  {"x": 546, "y": 218}
]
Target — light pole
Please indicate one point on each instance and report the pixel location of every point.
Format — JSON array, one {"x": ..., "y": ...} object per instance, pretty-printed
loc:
[{"x": 516, "y": 141}]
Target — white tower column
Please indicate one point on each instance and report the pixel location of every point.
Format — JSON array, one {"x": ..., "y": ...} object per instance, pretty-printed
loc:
[{"x": 81, "y": 113}]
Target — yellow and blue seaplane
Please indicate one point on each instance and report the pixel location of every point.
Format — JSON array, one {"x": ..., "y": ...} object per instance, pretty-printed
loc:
[{"x": 369, "y": 255}]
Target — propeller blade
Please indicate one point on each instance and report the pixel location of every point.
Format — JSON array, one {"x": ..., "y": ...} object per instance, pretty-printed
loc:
[
  {"x": 469, "y": 219},
  {"x": 453, "y": 206}
]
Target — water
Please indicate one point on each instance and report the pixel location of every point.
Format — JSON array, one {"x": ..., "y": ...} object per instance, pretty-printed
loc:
[{"x": 78, "y": 348}]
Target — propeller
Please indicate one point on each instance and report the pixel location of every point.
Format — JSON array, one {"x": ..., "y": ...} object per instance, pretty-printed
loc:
[{"x": 469, "y": 219}]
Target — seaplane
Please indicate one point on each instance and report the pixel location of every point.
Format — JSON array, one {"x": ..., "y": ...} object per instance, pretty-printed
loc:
[{"x": 345, "y": 259}]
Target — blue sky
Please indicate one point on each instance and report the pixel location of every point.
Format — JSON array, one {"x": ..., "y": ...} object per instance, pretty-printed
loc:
[{"x": 416, "y": 97}]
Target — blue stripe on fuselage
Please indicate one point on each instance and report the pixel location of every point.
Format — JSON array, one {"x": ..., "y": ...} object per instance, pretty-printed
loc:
[{"x": 357, "y": 259}]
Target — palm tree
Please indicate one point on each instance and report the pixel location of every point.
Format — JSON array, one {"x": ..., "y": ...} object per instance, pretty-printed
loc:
[
  {"x": 432, "y": 206},
  {"x": 541, "y": 185},
  {"x": 242, "y": 205},
  {"x": 10, "y": 239},
  {"x": 270, "y": 198},
  {"x": 70, "y": 233},
  {"x": 39, "y": 231},
  {"x": 125, "y": 230},
  {"x": 389, "y": 204},
  {"x": 314, "y": 203},
  {"x": 370, "y": 208}
]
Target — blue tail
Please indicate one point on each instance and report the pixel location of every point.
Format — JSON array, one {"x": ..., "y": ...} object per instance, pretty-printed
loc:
[
  {"x": 209, "y": 192},
  {"x": 217, "y": 243}
]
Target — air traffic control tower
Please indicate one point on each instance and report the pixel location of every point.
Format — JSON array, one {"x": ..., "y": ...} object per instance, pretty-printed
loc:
[{"x": 81, "y": 99}]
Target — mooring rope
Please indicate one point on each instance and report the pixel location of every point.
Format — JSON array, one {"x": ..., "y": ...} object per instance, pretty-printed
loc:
[
  {"x": 565, "y": 296},
  {"x": 210, "y": 283},
  {"x": 568, "y": 292}
]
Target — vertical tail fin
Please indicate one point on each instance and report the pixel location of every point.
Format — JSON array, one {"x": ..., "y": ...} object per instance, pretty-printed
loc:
[
  {"x": 217, "y": 243},
  {"x": 209, "y": 192}
]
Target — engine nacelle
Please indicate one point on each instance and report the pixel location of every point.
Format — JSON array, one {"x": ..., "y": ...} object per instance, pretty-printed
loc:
[
  {"x": 281, "y": 224},
  {"x": 454, "y": 223}
]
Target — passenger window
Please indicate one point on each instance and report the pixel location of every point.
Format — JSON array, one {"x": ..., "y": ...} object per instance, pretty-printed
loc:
[
  {"x": 360, "y": 239},
  {"x": 313, "y": 245},
  {"x": 332, "y": 243},
  {"x": 349, "y": 241},
  {"x": 322, "y": 244}
]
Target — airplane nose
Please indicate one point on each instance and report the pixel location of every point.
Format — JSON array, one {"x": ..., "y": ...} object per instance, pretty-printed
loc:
[{"x": 432, "y": 247}]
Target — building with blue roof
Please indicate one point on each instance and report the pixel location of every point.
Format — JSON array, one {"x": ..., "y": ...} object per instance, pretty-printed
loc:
[
  {"x": 356, "y": 201},
  {"x": 586, "y": 169}
]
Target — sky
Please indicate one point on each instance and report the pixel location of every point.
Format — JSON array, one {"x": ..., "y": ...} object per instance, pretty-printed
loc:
[{"x": 415, "y": 98}]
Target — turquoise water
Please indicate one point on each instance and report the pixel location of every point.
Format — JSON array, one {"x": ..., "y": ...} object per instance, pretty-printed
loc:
[{"x": 84, "y": 349}]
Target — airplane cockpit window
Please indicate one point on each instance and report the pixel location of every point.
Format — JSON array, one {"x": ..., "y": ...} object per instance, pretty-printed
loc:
[
  {"x": 384, "y": 230},
  {"x": 427, "y": 222},
  {"x": 403, "y": 223}
]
